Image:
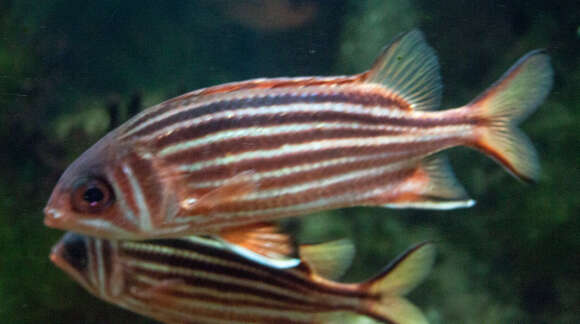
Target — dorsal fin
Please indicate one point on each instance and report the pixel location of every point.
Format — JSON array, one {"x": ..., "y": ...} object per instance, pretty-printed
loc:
[
  {"x": 409, "y": 68},
  {"x": 329, "y": 260}
]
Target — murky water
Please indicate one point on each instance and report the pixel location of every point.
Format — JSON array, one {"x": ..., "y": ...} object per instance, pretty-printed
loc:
[{"x": 71, "y": 71}]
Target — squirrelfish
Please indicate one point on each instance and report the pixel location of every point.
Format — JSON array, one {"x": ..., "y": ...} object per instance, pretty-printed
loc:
[
  {"x": 199, "y": 280},
  {"x": 231, "y": 155}
]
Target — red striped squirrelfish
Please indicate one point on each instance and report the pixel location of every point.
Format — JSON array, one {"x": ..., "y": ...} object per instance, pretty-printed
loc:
[
  {"x": 199, "y": 280},
  {"x": 218, "y": 158}
]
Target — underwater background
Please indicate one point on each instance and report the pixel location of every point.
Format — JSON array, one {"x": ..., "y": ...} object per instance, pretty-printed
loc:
[{"x": 72, "y": 70}]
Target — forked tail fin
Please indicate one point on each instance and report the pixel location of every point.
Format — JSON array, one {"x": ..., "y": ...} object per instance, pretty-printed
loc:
[
  {"x": 398, "y": 279},
  {"x": 506, "y": 103}
]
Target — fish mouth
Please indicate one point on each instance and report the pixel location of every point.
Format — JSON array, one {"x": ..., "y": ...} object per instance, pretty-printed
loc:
[
  {"x": 53, "y": 218},
  {"x": 55, "y": 255},
  {"x": 57, "y": 219}
]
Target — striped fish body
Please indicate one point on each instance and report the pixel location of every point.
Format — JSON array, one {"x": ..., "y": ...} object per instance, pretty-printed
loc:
[
  {"x": 196, "y": 280},
  {"x": 263, "y": 149}
]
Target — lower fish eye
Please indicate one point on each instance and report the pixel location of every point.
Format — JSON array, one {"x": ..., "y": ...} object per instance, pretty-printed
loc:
[
  {"x": 92, "y": 196},
  {"x": 75, "y": 251}
]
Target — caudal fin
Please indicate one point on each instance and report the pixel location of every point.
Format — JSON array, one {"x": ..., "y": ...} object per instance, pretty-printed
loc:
[
  {"x": 504, "y": 105},
  {"x": 398, "y": 279}
]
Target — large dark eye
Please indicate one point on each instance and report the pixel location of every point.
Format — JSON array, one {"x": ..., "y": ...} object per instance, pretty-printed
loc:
[
  {"x": 92, "y": 196},
  {"x": 75, "y": 251}
]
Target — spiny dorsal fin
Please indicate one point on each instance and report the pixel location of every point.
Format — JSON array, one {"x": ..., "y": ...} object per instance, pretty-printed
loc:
[
  {"x": 409, "y": 68},
  {"x": 262, "y": 243},
  {"x": 329, "y": 260}
]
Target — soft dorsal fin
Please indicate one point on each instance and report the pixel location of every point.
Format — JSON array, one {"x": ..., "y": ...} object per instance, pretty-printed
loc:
[
  {"x": 329, "y": 260},
  {"x": 262, "y": 243},
  {"x": 409, "y": 68}
]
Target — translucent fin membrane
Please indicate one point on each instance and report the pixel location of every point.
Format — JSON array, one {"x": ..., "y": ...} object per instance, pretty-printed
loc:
[
  {"x": 398, "y": 279},
  {"x": 329, "y": 260},
  {"x": 439, "y": 190},
  {"x": 505, "y": 104},
  {"x": 409, "y": 68},
  {"x": 262, "y": 243}
]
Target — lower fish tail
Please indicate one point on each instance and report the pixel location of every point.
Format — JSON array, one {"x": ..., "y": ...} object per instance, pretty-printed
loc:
[
  {"x": 387, "y": 290},
  {"x": 504, "y": 105}
]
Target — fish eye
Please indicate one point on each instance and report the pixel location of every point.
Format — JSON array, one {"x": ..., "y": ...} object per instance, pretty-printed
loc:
[
  {"x": 92, "y": 196},
  {"x": 75, "y": 251}
]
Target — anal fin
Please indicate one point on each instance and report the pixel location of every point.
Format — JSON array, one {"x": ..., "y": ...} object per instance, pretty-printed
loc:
[
  {"x": 262, "y": 243},
  {"x": 431, "y": 186}
]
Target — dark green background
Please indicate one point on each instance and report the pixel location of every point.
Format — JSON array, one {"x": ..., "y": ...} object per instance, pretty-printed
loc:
[{"x": 69, "y": 69}]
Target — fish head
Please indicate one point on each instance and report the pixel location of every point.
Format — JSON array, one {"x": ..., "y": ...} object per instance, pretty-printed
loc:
[
  {"x": 70, "y": 254},
  {"x": 91, "y": 262},
  {"x": 84, "y": 199}
]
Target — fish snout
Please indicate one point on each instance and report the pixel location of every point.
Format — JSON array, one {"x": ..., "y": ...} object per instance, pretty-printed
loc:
[
  {"x": 56, "y": 254},
  {"x": 53, "y": 217}
]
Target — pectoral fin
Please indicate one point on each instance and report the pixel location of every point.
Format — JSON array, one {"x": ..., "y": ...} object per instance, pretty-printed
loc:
[
  {"x": 157, "y": 289},
  {"x": 235, "y": 188}
]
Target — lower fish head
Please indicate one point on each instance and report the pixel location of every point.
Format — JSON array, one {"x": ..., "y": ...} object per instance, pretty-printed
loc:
[{"x": 91, "y": 262}]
